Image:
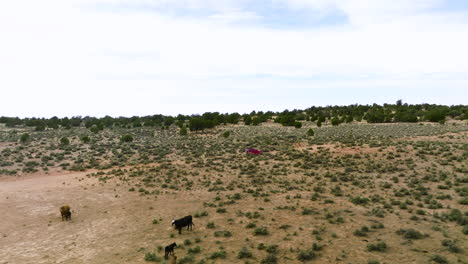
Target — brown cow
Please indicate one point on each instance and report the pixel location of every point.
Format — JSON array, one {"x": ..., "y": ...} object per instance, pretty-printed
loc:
[{"x": 65, "y": 212}]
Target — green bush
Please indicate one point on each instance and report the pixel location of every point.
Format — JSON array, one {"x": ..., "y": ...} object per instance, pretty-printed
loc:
[
  {"x": 260, "y": 231},
  {"x": 183, "y": 131},
  {"x": 218, "y": 255},
  {"x": 24, "y": 138},
  {"x": 410, "y": 233},
  {"x": 451, "y": 246},
  {"x": 186, "y": 260},
  {"x": 270, "y": 259},
  {"x": 149, "y": 256},
  {"x": 85, "y": 139},
  {"x": 222, "y": 234},
  {"x": 244, "y": 253},
  {"x": 194, "y": 250},
  {"x": 126, "y": 138},
  {"x": 379, "y": 246},
  {"x": 306, "y": 255},
  {"x": 64, "y": 141}
]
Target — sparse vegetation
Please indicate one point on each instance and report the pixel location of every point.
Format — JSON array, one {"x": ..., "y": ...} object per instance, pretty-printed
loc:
[{"x": 312, "y": 186}]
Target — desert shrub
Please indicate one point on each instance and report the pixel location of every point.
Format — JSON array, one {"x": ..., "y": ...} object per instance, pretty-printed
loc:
[
  {"x": 186, "y": 260},
  {"x": 272, "y": 249},
  {"x": 226, "y": 134},
  {"x": 465, "y": 230},
  {"x": 218, "y": 255},
  {"x": 463, "y": 201},
  {"x": 183, "y": 131},
  {"x": 222, "y": 234},
  {"x": 451, "y": 246},
  {"x": 244, "y": 253},
  {"x": 250, "y": 225},
  {"x": 307, "y": 211},
  {"x": 210, "y": 225},
  {"x": 373, "y": 262},
  {"x": 359, "y": 200},
  {"x": 194, "y": 250},
  {"x": 24, "y": 138},
  {"x": 410, "y": 233},
  {"x": 310, "y": 132},
  {"x": 360, "y": 232},
  {"x": 270, "y": 259},
  {"x": 85, "y": 139},
  {"x": 64, "y": 141},
  {"x": 379, "y": 246},
  {"x": 149, "y": 256},
  {"x": 201, "y": 214},
  {"x": 306, "y": 255},
  {"x": 260, "y": 231},
  {"x": 439, "y": 259},
  {"x": 317, "y": 247},
  {"x": 126, "y": 138}
]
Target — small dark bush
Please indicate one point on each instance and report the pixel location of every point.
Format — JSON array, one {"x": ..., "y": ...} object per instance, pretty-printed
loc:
[
  {"x": 410, "y": 233},
  {"x": 306, "y": 255},
  {"x": 439, "y": 259},
  {"x": 126, "y": 138},
  {"x": 260, "y": 231},
  {"x": 244, "y": 253},
  {"x": 379, "y": 246}
]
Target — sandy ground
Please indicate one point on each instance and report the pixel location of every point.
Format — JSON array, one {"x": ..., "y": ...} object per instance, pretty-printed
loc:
[{"x": 105, "y": 226}]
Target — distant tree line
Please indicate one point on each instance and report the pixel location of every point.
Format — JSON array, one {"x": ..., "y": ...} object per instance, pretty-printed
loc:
[{"x": 334, "y": 115}]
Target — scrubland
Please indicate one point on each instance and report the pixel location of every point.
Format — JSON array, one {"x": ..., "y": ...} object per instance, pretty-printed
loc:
[{"x": 354, "y": 193}]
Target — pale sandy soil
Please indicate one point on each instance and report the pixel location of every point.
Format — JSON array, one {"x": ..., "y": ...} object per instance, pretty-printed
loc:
[{"x": 105, "y": 227}]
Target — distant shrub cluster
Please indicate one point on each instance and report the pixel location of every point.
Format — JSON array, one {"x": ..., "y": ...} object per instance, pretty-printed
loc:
[{"x": 334, "y": 115}]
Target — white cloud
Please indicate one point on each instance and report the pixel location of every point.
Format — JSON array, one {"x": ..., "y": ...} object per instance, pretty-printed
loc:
[{"x": 59, "y": 53}]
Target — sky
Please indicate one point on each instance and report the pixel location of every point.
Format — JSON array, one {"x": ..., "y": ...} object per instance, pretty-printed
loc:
[{"x": 144, "y": 57}]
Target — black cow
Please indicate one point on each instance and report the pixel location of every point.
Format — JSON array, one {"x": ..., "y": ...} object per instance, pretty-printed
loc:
[
  {"x": 183, "y": 222},
  {"x": 169, "y": 250}
]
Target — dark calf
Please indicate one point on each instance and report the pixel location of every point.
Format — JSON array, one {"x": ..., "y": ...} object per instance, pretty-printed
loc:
[
  {"x": 65, "y": 212},
  {"x": 169, "y": 250}
]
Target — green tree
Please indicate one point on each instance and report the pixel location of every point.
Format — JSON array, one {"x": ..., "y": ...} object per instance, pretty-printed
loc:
[
  {"x": 183, "y": 131},
  {"x": 310, "y": 132},
  {"x": 24, "y": 138},
  {"x": 85, "y": 139},
  {"x": 64, "y": 141},
  {"x": 126, "y": 138},
  {"x": 297, "y": 124},
  {"x": 335, "y": 121},
  {"x": 256, "y": 121},
  {"x": 247, "y": 120},
  {"x": 435, "y": 115}
]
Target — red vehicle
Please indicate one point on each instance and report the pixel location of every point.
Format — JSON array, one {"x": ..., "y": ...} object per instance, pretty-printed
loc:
[{"x": 253, "y": 151}]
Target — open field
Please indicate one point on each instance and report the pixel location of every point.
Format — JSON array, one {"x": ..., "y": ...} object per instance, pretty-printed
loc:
[{"x": 353, "y": 193}]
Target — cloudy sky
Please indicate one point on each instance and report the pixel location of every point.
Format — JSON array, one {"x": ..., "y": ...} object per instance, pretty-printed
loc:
[{"x": 142, "y": 57}]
